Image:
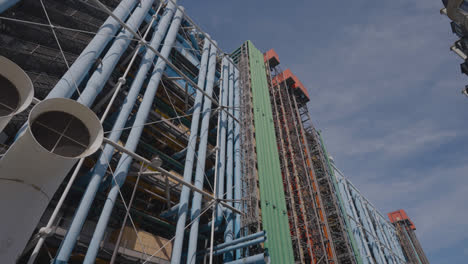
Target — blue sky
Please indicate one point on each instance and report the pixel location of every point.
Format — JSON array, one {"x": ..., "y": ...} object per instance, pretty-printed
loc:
[{"x": 385, "y": 90}]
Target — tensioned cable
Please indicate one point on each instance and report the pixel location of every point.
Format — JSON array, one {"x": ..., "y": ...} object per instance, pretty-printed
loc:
[
  {"x": 187, "y": 37},
  {"x": 196, "y": 156},
  {"x": 125, "y": 204},
  {"x": 172, "y": 104},
  {"x": 61, "y": 50},
  {"x": 82, "y": 31},
  {"x": 189, "y": 224},
  {"x": 177, "y": 70},
  {"x": 151, "y": 123},
  {"x": 58, "y": 43},
  {"x": 163, "y": 58},
  {"x": 194, "y": 150},
  {"x": 178, "y": 117}
]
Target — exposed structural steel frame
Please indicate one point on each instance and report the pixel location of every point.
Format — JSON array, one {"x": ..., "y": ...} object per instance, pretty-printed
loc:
[
  {"x": 100, "y": 169},
  {"x": 326, "y": 190},
  {"x": 190, "y": 155},
  {"x": 376, "y": 237},
  {"x": 315, "y": 217},
  {"x": 169, "y": 63},
  {"x": 352, "y": 239},
  {"x": 110, "y": 166},
  {"x": 264, "y": 193},
  {"x": 410, "y": 245},
  {"x": 311, "y": 233},
  {"x": 293, "y": 168}
]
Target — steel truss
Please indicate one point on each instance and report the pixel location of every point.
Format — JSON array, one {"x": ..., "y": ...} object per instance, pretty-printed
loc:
[{"x": 317, "y": 226}]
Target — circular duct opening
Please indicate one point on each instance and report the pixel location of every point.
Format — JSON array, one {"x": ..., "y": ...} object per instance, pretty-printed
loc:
[
  {"x": 16, "y": 88},
  {"x": 9, "y": 97},
  {"x": 61, "y": 133}
]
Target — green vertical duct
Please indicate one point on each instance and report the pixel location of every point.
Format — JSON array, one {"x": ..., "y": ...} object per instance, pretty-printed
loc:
[
  {"x": 356, "y": 252},
  {"x": 273, "y": 204}
]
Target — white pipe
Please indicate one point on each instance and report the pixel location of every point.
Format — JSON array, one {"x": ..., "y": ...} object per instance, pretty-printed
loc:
[
  {"x": 459, "y": 52},
  {"x": 16, "y": 80},
  {"x": 443, "y": 11},
  {"x": 36, "y": 164}
]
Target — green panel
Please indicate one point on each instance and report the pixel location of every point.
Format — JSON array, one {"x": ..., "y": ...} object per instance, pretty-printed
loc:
[{"x": 273, "y": 204}]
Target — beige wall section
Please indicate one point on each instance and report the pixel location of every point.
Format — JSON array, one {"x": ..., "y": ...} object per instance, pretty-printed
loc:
[{"x": 147, "y": 242}]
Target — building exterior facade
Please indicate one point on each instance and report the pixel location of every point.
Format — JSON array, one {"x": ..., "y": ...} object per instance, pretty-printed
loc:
[{"x": 128, "y": 136}]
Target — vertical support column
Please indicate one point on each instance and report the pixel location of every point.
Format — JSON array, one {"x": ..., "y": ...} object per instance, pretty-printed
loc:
[
  {"x": 100, "y": 168},
  {"x": 133, "y": 138},
  {"x": 200, "y": 170},
  {"x": 192, "y": 143},
  {"x": 237, "y": 160},
  {"x": 103, "y": 72},
  {"x": 222, "y": 138},
  {"x": 228, "y": 234}
]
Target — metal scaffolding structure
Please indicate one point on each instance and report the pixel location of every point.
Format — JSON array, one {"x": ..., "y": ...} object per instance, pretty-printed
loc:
[
  {"x": 323, "y": 235},
  {"x": 305, "y": 224},
  {"x": 412, "y": 249},
  {"x": 45, "y": 39},
  {"x": 375, "y": 236},
  {"x": 250, "y": 194}
]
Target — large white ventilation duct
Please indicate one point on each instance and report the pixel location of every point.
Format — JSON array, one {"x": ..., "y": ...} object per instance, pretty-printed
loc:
[
  {"x": 60, "y": 131},
  {"x": 16, "y": 91}
]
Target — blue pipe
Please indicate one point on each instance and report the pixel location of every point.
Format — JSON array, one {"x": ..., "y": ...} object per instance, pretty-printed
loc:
[
  {"x": 237, "y": 161},
  {"x": 364, "y": 220},
  {"x": 240, "y": 240},
  {"x": 181, "y": 154},
  {"x": 221, "y": 143},
  {"x": 5, "y": 4},
  {"x": 194, "y": 40},
  {"x": 364, "y": 249},
  {"x": 103, "y": 72},
  {"x": 202, "y": 149},
  {"x": 380, "y": 236},
  {"x": 65, "y": 87},
  {"x": 255, "y": 259},
  {"x": 391, "y": 239},
  {"x": 228, "y": 233},
  {"x": 380, "y": 225},
  {"x": 125, "y": 160},
  {"x": 240, "y": 245},
  {"x": 100, "y": 168},
  {"x": 170, "y": 212},
  {"x": 69, "y": 82},
  {"x": 222, "y": 140},
  {"x": 187, "y": 50},
  {"x": 190, "y": 157}
]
